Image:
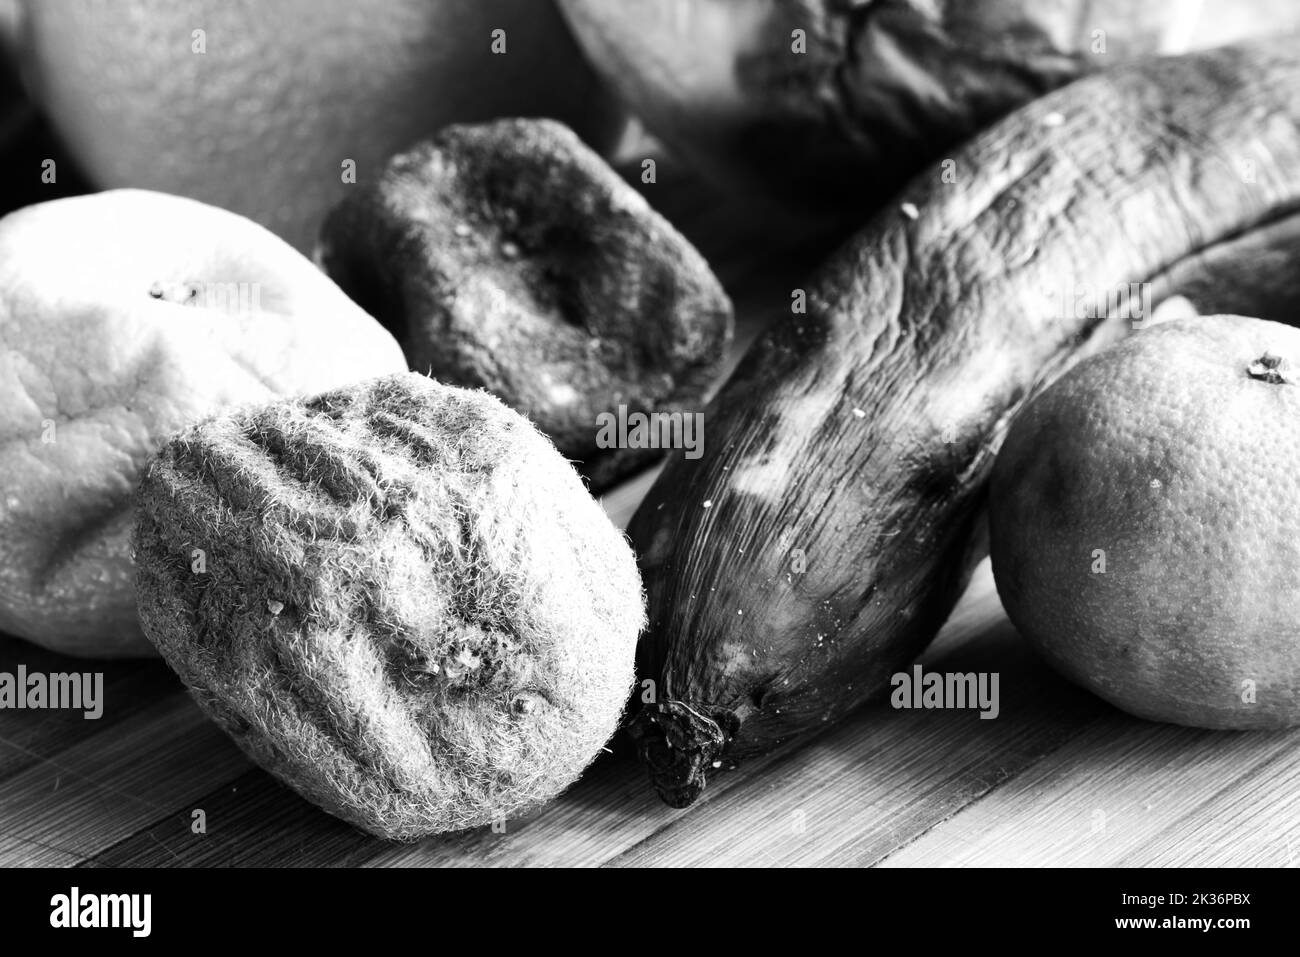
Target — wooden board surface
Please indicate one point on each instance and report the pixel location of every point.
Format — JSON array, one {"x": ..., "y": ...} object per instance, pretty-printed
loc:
[{"x": 1057, "y": 778}]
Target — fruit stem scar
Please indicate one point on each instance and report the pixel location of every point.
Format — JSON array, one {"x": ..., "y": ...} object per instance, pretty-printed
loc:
[
  {"x": 681, "y": 744},
  {"x": 1272, "y": 369}
]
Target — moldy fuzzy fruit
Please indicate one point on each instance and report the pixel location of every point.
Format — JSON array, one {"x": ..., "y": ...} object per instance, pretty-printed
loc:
[
  {"x": 125, "y": 316},
  {"x": 408, "y": 607},
  {"x": 509, "y": 256},
  {"x": 1144, "y": 523}
]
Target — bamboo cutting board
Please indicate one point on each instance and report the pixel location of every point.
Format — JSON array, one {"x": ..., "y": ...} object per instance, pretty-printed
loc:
[{"x": 1059, "y": 778}]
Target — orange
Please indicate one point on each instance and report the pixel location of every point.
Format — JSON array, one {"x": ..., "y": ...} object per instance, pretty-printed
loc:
[
  {"x": 287, "y": 90},
  {"x": 124, "y": 317},
  {"x": 1145, "y": 523}
]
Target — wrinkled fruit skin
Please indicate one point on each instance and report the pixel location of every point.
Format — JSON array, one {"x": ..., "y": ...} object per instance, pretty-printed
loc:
[
  {"x": 824, "y": 539},
  {"x": 881, "y": 88},
  {"x": 508, "y": 256},
  {"x": 124, "y": 317},
  {"x": 411, "y": 612},
  {"x": 1144, "y": 522}
]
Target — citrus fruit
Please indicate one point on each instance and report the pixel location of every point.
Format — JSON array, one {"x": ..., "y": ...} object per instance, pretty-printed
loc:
[
  {"x": 284, "y": 92},
  {"x": 1145, "y": 523},
  {"x": 124, "y": 317}
]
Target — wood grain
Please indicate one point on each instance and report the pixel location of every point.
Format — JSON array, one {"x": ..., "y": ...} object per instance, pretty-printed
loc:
[
  {"x": 898, "y": 788},
  {"x": 1131, "y": 792},
  {"x": 67, "y": 807}
]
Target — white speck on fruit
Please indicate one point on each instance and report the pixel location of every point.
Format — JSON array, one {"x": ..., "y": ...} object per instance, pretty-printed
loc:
[{"x": 561, "y": 393}]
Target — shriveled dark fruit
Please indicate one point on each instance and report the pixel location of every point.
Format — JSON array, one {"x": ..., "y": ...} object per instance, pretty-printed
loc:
[
  {"x": 398, "y": 598},
  {"x": 509, "y": 256},
  {"x": 833, "y": 522}
]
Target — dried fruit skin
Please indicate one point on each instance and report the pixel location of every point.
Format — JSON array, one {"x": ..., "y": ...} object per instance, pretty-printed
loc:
[
  {"x": 508, "y": 256},
  {"x": 125, "y": 316},
  {"x": 412, "y": 611},
  {"x": 863, "y": 434}
]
